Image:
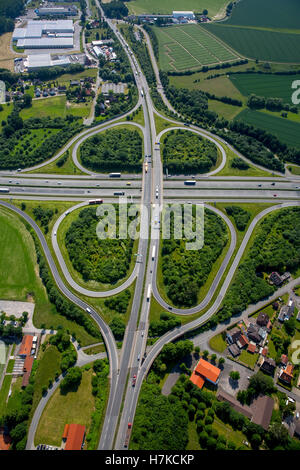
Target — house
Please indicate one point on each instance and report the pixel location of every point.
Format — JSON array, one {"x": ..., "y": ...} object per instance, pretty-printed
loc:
[
  {"x": 275, "y": 278},
  {"x": 234, "y": 350},
  {"x": 263, "y": 333},
  {"x": 262, "y": 319},
  {"x": 268, "y": 366},
  {"x": 251, "y": 347},
  {"x": 286, "y": 374},
  {"x": 203, "y": 371},
  {"x": 264, "y": 351},
  {"x": 26, "y": 346},
  {"x": 233, "y": 335},
  {"x": 74, "y": 435},
  {"x": 252, "y": 333},
  {"x": 286, "y": 311},
  {"x": 284, "y": 360},
  {"x": 242, "y": 341}
]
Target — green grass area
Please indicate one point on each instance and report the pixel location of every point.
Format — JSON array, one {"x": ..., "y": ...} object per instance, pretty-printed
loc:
[
  {"x": 228, "y": 170},
  {"x": 56, "y": 106},
  {"x": 266, "y": 14},
  {"x": 267, "y": 85},
  {"x": 259, "y": 44},
  {"x": 227, "y": 111},
  {"x": 248, "y": 358},
  {"x": 47, "y": 368},
  {"x": 193, "y": 443},
  {"x": 95, "y": 349},
  {"x": 218, "y": 343},
  {"x": 19, "y": 279},
  {"x": 294, "y": 169},
  {"x": 231, "y": 435},
  {"x": 4, "y": 393},
  {"x": 10, "y": 366},
  {"x": 138, "y": 7},
  {"x": 64, "y": 80},
  {"x": 73, "y": 407},
  {"x": 7, "y": 109},
  {"x": 190, "y": 47},
  {"x": 287, "y": 131}
]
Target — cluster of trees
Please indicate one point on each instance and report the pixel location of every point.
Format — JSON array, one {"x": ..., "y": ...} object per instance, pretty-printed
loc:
[
  {"x": 72, "y": 380},
  {"x": 239, "y": 164},
  {"x": 9, "y": 11},
  {"x": 113, "y": 150},
  {"x": 54, "y": 72},
  {"x": 68, "y": 354},
  {"x": 63, "y": 306},
  {"x": 272, "y": 104},
  {"x": 224, "y": 99},
  {"x": 185, "y": 271},
  {"x": 240, "y": 216},
  {"x": 276, "y": 247},
  {"x": 205, "y": 68},
  {"x": 121, "y": 103},
  {"x": 44, "y": 216},
  {"x": 119, "y": 303},
  {"x": 10, "y": 331},
  {"x": 13, "y": 156},
  {"x": 188, "y": 153},
  {"x": 118, "y": 327},
  {"x": 172, "y": 353},
  {"x": 154, "y": 40},
  {"x": 115, "y": 9},
  {"x": 259, "y": 383},
  {"x": 62, "y": 160},
  {"x": 104, "y": 261},
  {"x": 165, "y": 323}
]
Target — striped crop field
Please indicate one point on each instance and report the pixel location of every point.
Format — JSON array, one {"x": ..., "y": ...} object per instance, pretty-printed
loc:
[
  {"x": 287, "y": 131},
  {"x": 189, "y": 47},
  {"x": 267, "y": 85}
]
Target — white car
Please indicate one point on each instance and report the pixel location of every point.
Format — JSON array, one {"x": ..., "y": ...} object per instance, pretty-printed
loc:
[{"x": 88, "y": 310}]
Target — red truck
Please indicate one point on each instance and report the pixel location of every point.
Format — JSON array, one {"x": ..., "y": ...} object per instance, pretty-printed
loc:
[{"x": 128, "y": 432}]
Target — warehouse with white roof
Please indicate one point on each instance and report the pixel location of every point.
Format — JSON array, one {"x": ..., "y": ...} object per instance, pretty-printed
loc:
[{"x": 45, "y": 35}]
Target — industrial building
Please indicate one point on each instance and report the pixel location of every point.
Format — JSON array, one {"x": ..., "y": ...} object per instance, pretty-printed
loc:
[
  {"x": 45, "y": 35},
  {"x": 37, "y": 61},
  {"x": 189, "y": 15},
  {"x": 57, "y": 11}
]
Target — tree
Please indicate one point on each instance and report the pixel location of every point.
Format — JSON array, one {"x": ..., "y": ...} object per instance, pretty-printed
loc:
[
  {"x": 234, "y": 375},
  {"x": 72, "y": 379}
]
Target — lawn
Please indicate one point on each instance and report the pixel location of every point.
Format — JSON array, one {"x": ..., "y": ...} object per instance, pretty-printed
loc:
[
  {"x": 228, "y": 170},
  {"x": 139, "y": 7},
  {"x": 286, "y": 131},
  {"x": 217, "y": 343},
  {"x": 226, "y": 430},
  {"x": 248, "y": 358},
  {"x": 55, "y": 106},
  {"x": 190, "y": 46},
  {"x": 74, "y": 407},
  {"x": 4, "y": 392},
  {"x": 259, "y": 44},
  {"x": 227, "y": 111}
]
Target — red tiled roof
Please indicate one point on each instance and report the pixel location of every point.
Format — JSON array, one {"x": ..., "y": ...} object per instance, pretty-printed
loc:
[
  {"x": 75, "y": 437},
  {"x": 5, "y": 440},
  {"x": 28, "y": 363},
  {"x": 243, "y": 340},
  {"x": 251, "y": 348},
  {"x": 284, "y": 359},
  {"x": 265, "y": 351},
  {"x": 197, "y": 380},
  {"x": 26, "y": 345},
  {"x": 207, "y": 370}
]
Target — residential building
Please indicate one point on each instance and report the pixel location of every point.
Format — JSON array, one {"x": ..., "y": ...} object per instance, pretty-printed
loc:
[
  {"x": 28, "y": 363},
  {"x": 26, "y": 346},
  {"x": 286, "y": 311},
  {"x": 251, "y": 347},
  {"x": 253, "y": 333},
  {"x": 286, "y": 374},
  {"x": 203, "y": 371},
  {"x": 234, "y": 350},
  {"x": 284, "y": 360},
  {"x": 233, "y": 335},
  {"x": 242, "y": 341},
  {"x": 268, "y": 366},
  {"x": 262, "y": 319},
  {"x": 57, "y": 11},
  {"x": 184, "y": 14}
]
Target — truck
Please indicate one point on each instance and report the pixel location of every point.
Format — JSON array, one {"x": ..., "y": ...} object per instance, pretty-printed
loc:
[
  {"x": 153, "y": 252},
  {"x": 95, "y": 201},
  {"x": 127, "y": 437},
  {"x": 119, "y": 193},
  {"x": 190, "y": 183},
  {"x": 4, "y": 190},
  {"x": 149, "y": 293},
  {"x": 146, "y": 167},
  {"x": 115, "y": 175}
]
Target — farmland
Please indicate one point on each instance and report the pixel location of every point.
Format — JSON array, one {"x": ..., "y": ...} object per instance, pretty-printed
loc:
[
  {"x": 287, "y": 131},
  {"x": 266, "y": 14},
  {"x": 258, "y": 43},
  {"x": 189, "y": 47},
  {"x": 269, "y": 86},
  {"x": 138, "y": 7}
]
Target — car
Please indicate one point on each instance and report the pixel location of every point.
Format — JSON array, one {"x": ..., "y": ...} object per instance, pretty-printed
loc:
[
  {"x": 142, "y": 334},
  {"x": 55, "y": 234},
  {"x": 297, "y": 415},
  {"x": 272, "y": 184},
  {"x": 259, "y": 185},
  {"x": 59, "y": 182},
  {"x": 275, "y": 195},
  {"x": 128, "y": 183},
  {"x": 139, "y": 357},
  {"x": 248, "y": 377},
  {"x": 291, "y": 400},
  {"x": 10, "y": 181}
]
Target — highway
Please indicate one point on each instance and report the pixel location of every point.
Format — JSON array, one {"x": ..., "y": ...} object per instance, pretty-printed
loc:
[{"x": 150, "y": 189}]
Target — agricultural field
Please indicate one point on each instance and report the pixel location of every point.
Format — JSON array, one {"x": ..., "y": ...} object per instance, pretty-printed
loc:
[
  {"x": 258, "y": 43},
  {"x": 164, "y": 7},
  {"x": 266, "y": 14},
  {"x": 287, "y": 131},
  {"x": 269, "y": 86},
  {"x": 190, "y": 46},
  {"x": 55, "y": 107}
]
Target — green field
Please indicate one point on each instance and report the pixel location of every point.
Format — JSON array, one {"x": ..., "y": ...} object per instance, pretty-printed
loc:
[
  {"x": 258, "y": 43},
  {"x": 269, "y": 86},
  {"x": 266, "y": 14},
  {"x": 55, "y": 107},
  {"x": 138, "y": 7},
  {"x": 287, "y": 131},
  {"x": 190, "y": 46}
]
